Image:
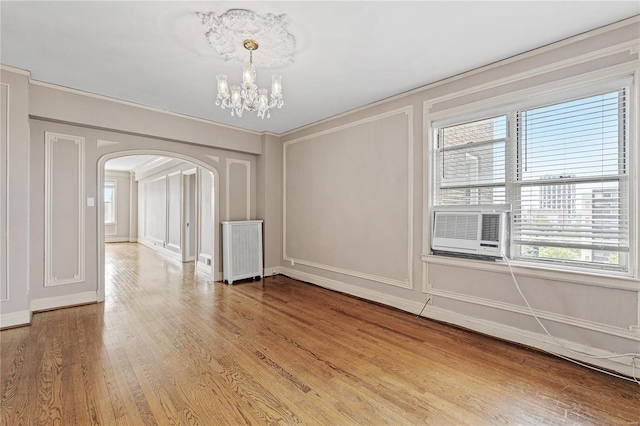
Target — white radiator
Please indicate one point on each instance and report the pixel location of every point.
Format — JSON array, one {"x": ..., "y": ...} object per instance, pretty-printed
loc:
[{"x": 241, "y": 250}]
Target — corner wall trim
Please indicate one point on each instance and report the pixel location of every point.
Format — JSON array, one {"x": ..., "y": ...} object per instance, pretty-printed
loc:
[
  {"x": 14, "y": 319},
  {"x": 63, "y": 301}
]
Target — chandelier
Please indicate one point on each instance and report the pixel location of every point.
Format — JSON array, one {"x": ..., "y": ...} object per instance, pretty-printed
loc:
[
  {"x": 248, "y": 96},
  {"x": 228, "y": 33}
]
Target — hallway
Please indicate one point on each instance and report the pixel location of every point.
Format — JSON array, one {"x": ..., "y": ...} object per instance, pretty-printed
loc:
[{"x": 169, "y": 346}]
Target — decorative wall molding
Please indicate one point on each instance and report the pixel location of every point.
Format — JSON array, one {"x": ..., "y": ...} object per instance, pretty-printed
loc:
[
  {"x": 582, "y": 277},
  {"x": 626, "y": 333},
  {"x": 51, "y": 139},
  {"x": 15, "y": 319},
  {"x": 576, "y": 60},
  {"x": 247, "y": 165},
  {"x": 100, "y": 143},
  {"x": 56, "y": 302},
  {"x": 4, "y": 201},
  {"x": 363, "y": 292},
  {"x": 529, "y": 338},
  {"x": 527, "y": 95},
  {"x": 214, "y": 158},
  {"x": 128, "y": 103},
  {"x": 408, "y": 282}
]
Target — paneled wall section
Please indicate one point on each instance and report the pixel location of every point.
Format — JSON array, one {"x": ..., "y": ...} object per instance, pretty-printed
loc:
[{"x": 64, "y": 209}]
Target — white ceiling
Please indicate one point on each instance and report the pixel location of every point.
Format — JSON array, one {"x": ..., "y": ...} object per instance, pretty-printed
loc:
[{"x": 348, "y": 54}]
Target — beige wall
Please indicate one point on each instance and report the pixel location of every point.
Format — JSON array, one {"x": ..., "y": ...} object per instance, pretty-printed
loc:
[{"x": 345, "y": 215}]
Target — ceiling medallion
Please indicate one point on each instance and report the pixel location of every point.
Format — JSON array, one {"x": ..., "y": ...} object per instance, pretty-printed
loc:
[{"x": 226, "y": 33}]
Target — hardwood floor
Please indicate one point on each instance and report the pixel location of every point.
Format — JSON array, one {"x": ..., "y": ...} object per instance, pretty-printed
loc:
[{"x": 170, "y": 347}]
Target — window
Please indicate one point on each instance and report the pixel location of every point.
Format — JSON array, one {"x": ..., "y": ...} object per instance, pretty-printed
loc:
[
  {"x": 110, "y": 202},
  {"x": 562, "y": 167}
]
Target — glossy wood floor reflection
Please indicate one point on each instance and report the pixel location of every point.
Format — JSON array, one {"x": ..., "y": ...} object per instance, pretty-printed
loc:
[{"x": 170, "y": 347}]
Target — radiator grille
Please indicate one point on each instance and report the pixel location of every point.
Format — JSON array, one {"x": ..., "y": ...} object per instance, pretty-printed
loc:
[
  {"x": 457, "y": 226},
  {"x": 242, "y": 250},
  {"x": 245, "y": 250}
]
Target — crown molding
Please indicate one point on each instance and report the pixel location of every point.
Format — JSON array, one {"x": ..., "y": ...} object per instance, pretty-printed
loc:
[{"x": 15, "y": 70}]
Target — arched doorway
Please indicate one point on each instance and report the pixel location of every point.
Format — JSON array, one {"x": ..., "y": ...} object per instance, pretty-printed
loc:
[{"x": 213, "y": 269}]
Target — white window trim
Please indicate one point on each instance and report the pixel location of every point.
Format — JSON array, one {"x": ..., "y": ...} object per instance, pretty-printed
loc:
[
  {"x": 558, "y": 91},
  {"x": 114, "y": 183}
]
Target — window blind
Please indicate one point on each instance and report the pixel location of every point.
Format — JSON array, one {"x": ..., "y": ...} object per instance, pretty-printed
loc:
[
  {"x": 470, "y": 164},
  {"x": 571, "y": 199},
  {"x": 562, "y": 167}
]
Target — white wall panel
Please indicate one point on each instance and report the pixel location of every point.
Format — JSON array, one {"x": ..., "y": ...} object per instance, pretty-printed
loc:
[{"x": 64, "y": 209}]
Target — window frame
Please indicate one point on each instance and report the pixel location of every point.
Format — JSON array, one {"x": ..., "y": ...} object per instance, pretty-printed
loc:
[
  {"x": 510, "y": 105},
  {"x": 113, "y": 183}
]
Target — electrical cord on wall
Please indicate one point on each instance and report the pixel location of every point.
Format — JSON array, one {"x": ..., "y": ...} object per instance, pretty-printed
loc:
[
  {"x": 425, "y": 305},
  {"x": 634, "y": 356}
]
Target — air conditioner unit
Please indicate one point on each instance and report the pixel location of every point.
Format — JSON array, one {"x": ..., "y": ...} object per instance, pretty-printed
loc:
[{"x": 471, "y": 230}]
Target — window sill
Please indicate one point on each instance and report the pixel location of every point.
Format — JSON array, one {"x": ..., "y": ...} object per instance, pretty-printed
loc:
[{"x": 605, "y": 279}]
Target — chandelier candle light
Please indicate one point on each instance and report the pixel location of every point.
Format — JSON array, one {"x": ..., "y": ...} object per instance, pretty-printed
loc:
[{"x": 248, "y": 96}]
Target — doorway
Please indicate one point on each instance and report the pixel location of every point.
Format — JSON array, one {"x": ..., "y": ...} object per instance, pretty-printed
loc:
[{"x": 193, "y": 236}]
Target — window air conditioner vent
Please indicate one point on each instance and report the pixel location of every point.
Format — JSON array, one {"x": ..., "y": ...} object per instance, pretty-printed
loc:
[{"x": 471, "y": 230}]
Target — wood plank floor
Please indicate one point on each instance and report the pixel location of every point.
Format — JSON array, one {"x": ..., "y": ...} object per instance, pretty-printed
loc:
[{"x": 170, "y": 347}]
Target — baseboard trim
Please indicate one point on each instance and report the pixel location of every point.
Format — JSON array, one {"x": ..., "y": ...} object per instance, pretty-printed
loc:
[
  {"x": 540, "y": 341},
  {"x": 15, "y": 319},
  {"x": 172, "y": 254},
  {"x": 116, "y": 239},
  {"x": 203, "y": 268},
  {"x": 501, "y": 331},
  {"x": 48, "y": 303},
  {"x": 270, "y": 272},
  {"x": 375, "y": 296}
]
